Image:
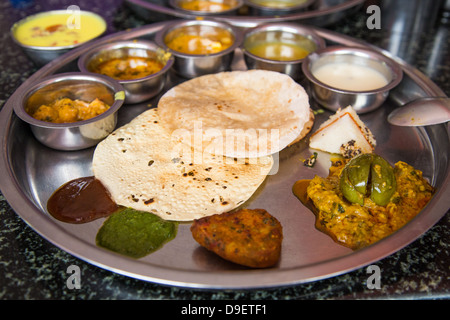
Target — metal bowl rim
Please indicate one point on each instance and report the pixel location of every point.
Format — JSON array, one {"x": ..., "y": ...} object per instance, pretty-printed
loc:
[
  {"x": 145, "y": 44},
  {"x": 367, "y": 53},
  {"x": 28, "y": 91},
  {"x": 58, "y": 48}
]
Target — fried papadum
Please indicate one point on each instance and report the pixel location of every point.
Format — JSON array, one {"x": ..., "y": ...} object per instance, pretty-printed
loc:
[
  {"x": 145, "y": 168},
  {"x": 249, "y": 237}
]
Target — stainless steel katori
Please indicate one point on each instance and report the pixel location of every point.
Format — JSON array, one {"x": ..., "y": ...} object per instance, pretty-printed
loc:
[
  {"x": 43, "y": 55},
  {"x": 136, "y": 90},
  {"x": 74, "y": 85},
  {"x": 288, "y": 33},
  {"x": 333, "y": 98},
  {"x": 194, "y": 65}
]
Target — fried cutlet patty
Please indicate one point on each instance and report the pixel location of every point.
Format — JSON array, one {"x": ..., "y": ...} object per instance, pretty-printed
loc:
[{"x": 250, "y": 237}]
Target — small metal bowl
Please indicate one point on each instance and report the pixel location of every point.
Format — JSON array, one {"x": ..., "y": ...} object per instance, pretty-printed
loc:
[
  {"x": 277, "y": 7},
  {"x": 136, "y": 90},
  {"x": 333, "y": 98},
  {"x": 74, "y": 135},
  {"x": 193, "y": 65},
  {"x": 42, "y": 55},
  {"x": 234, "y": 6},
  {"x": 276, "y": 33}
]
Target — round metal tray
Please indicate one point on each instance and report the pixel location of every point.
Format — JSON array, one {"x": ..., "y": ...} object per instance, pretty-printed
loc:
[
  {"x": 31, "y": 172},
  {"x": 323, "y": 12}
]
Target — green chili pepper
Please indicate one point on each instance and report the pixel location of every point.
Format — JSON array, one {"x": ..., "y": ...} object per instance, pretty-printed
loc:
[
  {"x": 358, "y": 172},
  {"x": 348, "y": 189},
  {"x": 383, "y": 181},
  {"x": 368, "y": 175}
]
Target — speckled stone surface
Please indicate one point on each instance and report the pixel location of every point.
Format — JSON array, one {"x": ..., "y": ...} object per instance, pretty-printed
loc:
[{"x": 32, "y": 268}]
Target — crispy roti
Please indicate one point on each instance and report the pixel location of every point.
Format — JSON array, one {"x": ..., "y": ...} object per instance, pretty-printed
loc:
[
  {"x": 145, "y": 167},
  {"x": 240, "y": 114}
]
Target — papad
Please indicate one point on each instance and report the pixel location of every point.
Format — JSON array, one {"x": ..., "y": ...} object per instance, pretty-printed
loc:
[{"x": 144, "y": 167}]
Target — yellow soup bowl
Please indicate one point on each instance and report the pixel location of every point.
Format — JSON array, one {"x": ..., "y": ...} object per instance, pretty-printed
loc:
[{"x": 47, "y": 35}]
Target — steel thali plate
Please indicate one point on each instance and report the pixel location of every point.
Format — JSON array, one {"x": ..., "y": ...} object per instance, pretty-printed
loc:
[{"x": 31, "y": 172}]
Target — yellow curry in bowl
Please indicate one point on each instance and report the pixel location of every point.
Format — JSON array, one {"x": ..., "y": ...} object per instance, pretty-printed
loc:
[
  {"x": 128, "y": 68},
  {"x": 357, "y": 225},
  {"x": 199, "y": 40},
  {"x": 279, "y": 44},
  {"x": 58, "y": 29},
  {"x": 66, "y": 110},
  {"x": 278, "y": 50}
]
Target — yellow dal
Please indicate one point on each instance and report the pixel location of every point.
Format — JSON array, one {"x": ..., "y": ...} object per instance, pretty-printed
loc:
[
  {"x": 53, "y": 30},
  {"x": 279, "y": 51}
]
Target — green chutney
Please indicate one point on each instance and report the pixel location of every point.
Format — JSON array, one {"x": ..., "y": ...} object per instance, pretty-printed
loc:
[{"x": 135, "y": 233}]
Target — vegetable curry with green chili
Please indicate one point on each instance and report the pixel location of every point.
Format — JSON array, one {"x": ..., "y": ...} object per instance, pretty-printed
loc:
[{"x": 354, "y": 225}]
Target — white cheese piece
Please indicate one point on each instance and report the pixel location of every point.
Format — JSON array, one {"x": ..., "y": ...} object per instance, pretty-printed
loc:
[{"x": 343, "y": 133}]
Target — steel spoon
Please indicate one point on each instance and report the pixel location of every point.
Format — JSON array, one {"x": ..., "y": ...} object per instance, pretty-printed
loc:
[{"x": 421, "y": 112}]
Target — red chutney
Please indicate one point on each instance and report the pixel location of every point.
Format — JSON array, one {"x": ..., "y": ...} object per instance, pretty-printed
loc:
[{"x": 81, "y": 200}]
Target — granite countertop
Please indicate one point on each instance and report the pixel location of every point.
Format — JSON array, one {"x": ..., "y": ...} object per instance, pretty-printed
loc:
[{"x": 33, "y": 268}]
